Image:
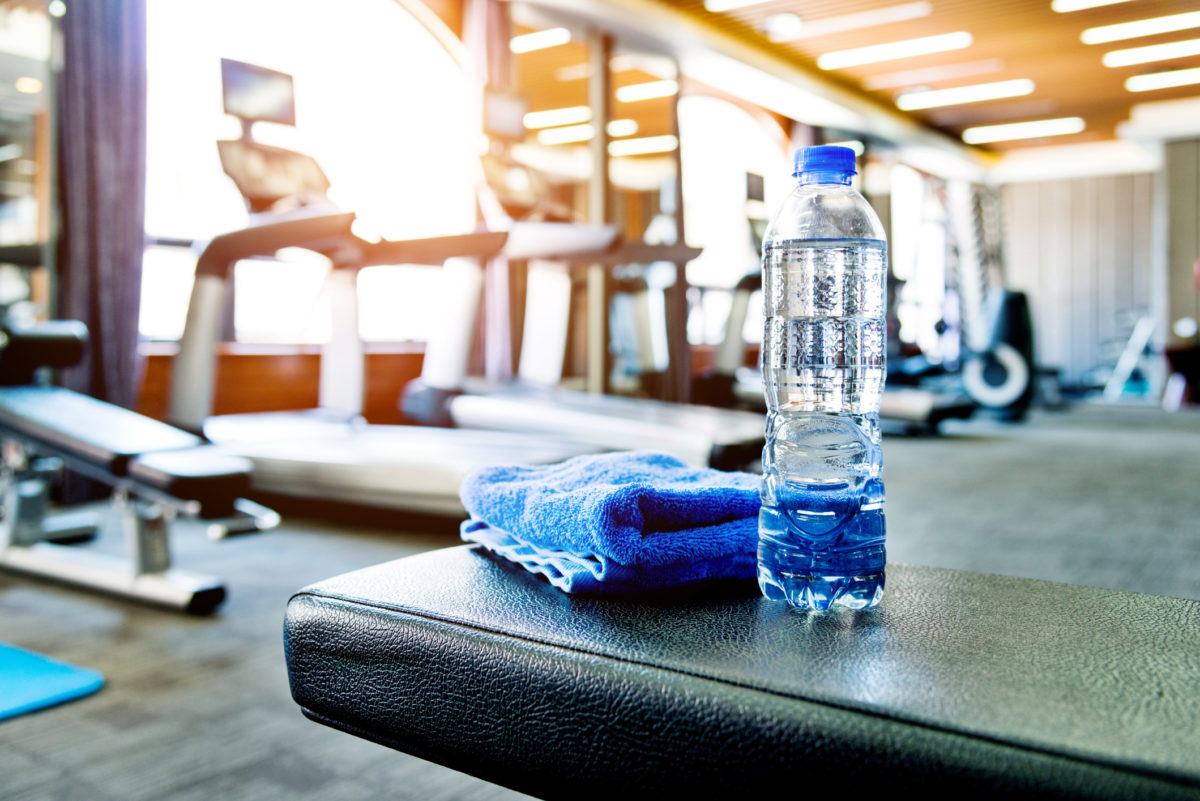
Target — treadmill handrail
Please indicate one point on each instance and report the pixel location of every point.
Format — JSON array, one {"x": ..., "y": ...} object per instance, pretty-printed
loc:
[
  {"x": 194, "y": 376},
  {"x": 624, "y": 252},
  {"x": 436, "y": 249},
  {"x": 225, "y": 250},
  {"x": 329, "y": 231}
]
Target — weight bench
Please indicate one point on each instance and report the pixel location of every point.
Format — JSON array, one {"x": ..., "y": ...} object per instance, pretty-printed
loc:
[
  {"x": 156, "y": 471},
  {"x": 978, "y": 685}
]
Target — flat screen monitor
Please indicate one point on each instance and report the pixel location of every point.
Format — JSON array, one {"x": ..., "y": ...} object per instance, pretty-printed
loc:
[
  {"x": 504, "y": 114},
  {"x": 754, "y": 187},
  {"x": 256, "y": 93}
]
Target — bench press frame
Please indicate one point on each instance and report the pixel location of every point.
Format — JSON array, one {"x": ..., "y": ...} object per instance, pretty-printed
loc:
[{"x": 142, "y": 514}]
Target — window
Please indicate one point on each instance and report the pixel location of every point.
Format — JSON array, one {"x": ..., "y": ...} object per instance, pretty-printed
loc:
[
  {"x": 722, "y": 143},
  {"x": 380, "y": 105}
]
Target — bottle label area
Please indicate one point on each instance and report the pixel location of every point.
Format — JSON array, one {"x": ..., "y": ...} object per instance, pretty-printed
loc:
[{"x": 822, "y": 528}]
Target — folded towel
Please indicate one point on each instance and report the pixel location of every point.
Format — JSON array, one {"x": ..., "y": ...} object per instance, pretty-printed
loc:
[{"x": 617, "y": 521}]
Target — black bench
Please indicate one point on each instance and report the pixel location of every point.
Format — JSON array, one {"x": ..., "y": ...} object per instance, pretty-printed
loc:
[{"x": 960, "y": 683}]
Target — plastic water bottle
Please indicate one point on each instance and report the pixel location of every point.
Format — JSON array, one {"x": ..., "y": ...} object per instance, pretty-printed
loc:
[{"x": 824, "y": 262}]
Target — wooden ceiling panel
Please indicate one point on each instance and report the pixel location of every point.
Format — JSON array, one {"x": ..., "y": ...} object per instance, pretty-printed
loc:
[
  {"x": 539, "y": 77},
  {"x": 1025, "y": 39}
]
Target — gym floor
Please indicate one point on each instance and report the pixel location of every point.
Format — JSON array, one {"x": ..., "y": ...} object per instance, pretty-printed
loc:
[{"x": 199, "y": 708}]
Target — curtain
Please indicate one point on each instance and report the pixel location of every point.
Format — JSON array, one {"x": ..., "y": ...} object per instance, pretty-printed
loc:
[{"x": 102, "y": 169}]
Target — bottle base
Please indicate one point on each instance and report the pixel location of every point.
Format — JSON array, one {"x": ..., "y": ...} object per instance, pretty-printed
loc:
[{"x": 818, "y": 592}]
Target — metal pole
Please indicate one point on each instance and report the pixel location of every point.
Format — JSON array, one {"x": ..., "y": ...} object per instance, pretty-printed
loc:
[
  {"x": 600, "y": 48},
  {"x": 678, "y": 386}
]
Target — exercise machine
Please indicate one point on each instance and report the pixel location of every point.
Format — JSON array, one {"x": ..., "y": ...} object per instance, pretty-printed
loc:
[
  {"x": 534, "y": 402},
  {"x": 998, "y": 373},
  {"x": 157, "y": 473},
  {"x": 902, "y": 409},
  {"x": 329, "y": 452}
]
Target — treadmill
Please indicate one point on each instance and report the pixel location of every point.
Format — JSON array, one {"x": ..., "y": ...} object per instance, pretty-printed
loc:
[
  {"x": 329, "y": 452},
  {"x": 901, "y": 409},
  {"x": 699, "y": 435}
]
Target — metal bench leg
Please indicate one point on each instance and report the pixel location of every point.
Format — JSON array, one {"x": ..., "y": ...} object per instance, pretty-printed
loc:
[{"x": 145, "y": 575}]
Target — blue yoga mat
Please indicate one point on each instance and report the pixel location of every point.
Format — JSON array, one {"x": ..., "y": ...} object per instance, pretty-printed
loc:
[{"x": 30, "y": 681}]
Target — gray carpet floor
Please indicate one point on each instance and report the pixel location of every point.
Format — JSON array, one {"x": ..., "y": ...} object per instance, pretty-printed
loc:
[{"x": 199, "y": 708}]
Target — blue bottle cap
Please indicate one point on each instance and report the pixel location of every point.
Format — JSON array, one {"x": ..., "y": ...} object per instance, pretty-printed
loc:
[{"x": 824, "y": 159}]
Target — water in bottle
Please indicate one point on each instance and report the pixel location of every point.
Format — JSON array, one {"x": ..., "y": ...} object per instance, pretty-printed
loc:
[{"x": 824, "y": 261}]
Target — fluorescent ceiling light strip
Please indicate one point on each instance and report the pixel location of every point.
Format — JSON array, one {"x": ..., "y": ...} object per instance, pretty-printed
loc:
[
  {"x": 862, "y": 19},
  {"x": 578, "y": 72},
  {"x": 1141, "y": 27},
  {"x": 894, "y": 50},
  {"x": 1063, "y": 6},
  {"x": 622, "y": 127},
  {"x": 1163, "y": 80},
  {"x": 783, "y": 27},
  {"x": 562, "y": 136},
  {"x": 571, "y": 115},
  {"x": 1158, "y": 52},
  {"x": 539, "y": 40},
  {"x": 717, "y": 6},
  {"x": 933, "y": 74},
  {"x": 583, "y": 133},
  {"x": 964, "y": 94},
  {"x": 1023, "y": 130},
  {"x": 647, "y": 91},
  {"x": 640, "y": 147}
]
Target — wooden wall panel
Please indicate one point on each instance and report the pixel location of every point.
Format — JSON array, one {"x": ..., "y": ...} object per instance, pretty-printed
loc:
[
  {"x": 1141, "y": 278},
  {"x": 1108, "y": 190},
  {"x": 1183, "y": 229},
  {"x": 283, "y": 379},
  {"x": 1081, "y": 249},
  {"x": 287, "y": 378}
]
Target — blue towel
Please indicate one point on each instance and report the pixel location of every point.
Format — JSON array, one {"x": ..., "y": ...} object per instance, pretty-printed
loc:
[{"x": 616, "y": 521}]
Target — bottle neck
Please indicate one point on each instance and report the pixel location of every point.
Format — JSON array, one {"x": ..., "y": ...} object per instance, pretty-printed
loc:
[{"x": 824, "y": 177}]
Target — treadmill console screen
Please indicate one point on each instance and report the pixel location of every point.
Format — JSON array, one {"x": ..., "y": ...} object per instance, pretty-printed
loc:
[
  {"x": 504, "y": 115},
  {"x": 754, "y": 187},
  {"x": 257, "y": 93}
]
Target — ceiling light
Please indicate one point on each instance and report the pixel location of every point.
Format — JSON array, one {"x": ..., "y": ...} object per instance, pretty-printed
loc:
[
  {"x": 640, "y": 147},
  {"x": 1063, "y": 6},
  {"x": 893, "y": 50},
  {"x": 647, "y": 91},
  {"x": 782, "y": 27},
  {"x": 717, "y": 6},
  {"x": 1163, "y": 80},
  {"x": 964, "y": 94},
  {"x": 622, "y": 128},
  {"x": 1158, "y": 52},
  {"x": 933, "y": 74},
  {"x": 27, "y": 85},
  {"x": 862, "y": 19},
  {"x": 562, "y": 136},
  {"x": 577, "y": 72},
  {"x": 858, "y": 147},
  {"x": 1023, "y": 130},
  {"x": 57, "y": 8},
  {"x": 570, "y": 115},
  {"x": 1141, "y": 27},
  {"x": 539, "y": 40},
  {"x": 10, "y": 151},
  {"x": 582, "y": 133}
]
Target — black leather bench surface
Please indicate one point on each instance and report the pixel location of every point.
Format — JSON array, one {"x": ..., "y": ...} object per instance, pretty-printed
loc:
[
  {"x": 79, "y": 427},
  {"x": 983, "y": 685},
  {"x": 201, "y": 474}
]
